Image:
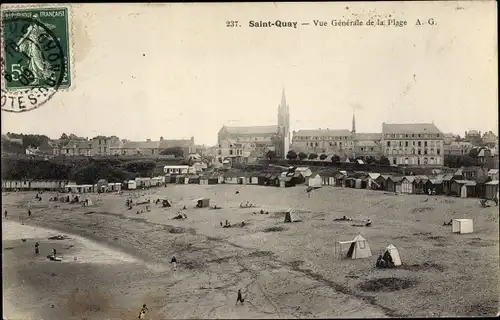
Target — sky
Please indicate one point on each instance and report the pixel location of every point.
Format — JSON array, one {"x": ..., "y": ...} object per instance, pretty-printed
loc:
[{"x": 142, "y": 71}]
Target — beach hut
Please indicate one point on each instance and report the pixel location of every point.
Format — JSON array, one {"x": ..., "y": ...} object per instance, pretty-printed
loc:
[
  {"x": 328, "y": 179},
  {"x": 132, "y": 185},
  {"x": 194, "y": 179},
  {"x": 419, "y": 184},
  {"x": 314, "y": 181},
  {"x": 358, "y": 248},
  {"x": 102, "y": 185},
  {"x": 464, "y": 188},
  {"x": 382, "y": 181},
  {"x": 372, "y": 180},
  {"x": 433, "y": 184},
  {"x": 462, "y": 226},
  {"x": 447, "y": 179},
  {"x": 202, "y": 203},
  {"x": 407, "y": 184},
  {"x": 180, "y": 179},
  {"x": 254, "y": 179},
  {"x": 481, "y": 186},
  {"x": 491, "y": 190},
  {"x": 203, "y": 180},
  {"x": 304, "y": 171},
  {"x": 340, "y": 180},
  {"x": 493, "y": 174},
  {"x": 394, "y": 184},
  {"x": 213, "y": 180}
]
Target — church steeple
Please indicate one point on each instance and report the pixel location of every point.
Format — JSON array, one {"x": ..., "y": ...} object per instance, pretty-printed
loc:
[
  {"x": 284, "y": 114},
  {"x": 284, "y": 125},
  {"x": 283, "y": 98},
  {"x": 353, "y": 123}
]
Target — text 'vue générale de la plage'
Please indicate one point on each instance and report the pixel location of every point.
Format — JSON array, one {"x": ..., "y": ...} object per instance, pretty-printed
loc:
[{"x": 374, "y": 22}]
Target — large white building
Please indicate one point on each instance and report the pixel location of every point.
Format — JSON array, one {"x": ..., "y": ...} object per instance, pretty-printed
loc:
[{"x": 418, "y": 144}]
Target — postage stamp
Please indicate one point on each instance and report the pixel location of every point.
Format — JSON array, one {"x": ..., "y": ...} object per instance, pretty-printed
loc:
[{"x": 36, "y": 56}]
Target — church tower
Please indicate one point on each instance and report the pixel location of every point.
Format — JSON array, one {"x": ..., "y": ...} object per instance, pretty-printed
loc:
[
  {"x": 284, "y": 125},
  {"x": 353, "y": 135},
  {"x": 353, "y": 124}
]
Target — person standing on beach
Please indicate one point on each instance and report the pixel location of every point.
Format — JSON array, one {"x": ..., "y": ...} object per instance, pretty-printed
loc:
[
  {"x": 240, "y": 298},
  {"x": 174, "y": 262},
  {"x": 144, "y": 309},
  {"x": 37, "y": 250},
  {"x": 54, "y": 252},
  {"x": 5, "y": 214},
  {"x": 29, "y": 213}
]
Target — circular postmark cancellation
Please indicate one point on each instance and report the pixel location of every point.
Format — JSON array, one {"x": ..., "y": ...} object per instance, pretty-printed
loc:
[{"x": 33, "y": 63}]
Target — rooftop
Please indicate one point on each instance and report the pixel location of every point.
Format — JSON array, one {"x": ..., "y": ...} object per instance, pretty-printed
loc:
[
  {"x": 322, "y": 133},
  {"x": 393, "y": 128},
  {"x": 251, "y": 130}
]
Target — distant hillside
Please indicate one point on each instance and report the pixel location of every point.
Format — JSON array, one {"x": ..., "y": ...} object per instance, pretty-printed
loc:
[{"x": 81, "y": 170}]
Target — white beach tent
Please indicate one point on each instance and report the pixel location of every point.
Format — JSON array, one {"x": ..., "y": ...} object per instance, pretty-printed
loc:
[
  {"x": 394, "y": 253},
  {"x": 462, "y": 226},
  {"x": 359, "y": 248}
]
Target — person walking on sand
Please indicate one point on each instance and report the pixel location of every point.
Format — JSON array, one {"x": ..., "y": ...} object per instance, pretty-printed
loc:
[
  {"x": 143, "y": 311},
  {"x": 54, "y": 252},
  {"x": 240, "y": 298},
  {"x": 37, "y": 249},
  {"x": 29, "y": 213},
  {"x": 5, "y": 214},
  {"x": 174, "y": 262}
]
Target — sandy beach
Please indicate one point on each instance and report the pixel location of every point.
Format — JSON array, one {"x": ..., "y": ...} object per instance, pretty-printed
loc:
[{"x": 284, "y": 270}]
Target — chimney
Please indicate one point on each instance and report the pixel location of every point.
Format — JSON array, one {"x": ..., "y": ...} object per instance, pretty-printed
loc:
[
  {"x": 161, "y": 138},
  {"x": 192, "y": 140}
]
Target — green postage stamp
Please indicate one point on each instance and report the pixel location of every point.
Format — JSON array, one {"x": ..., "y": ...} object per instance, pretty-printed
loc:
[{"x": 36, "y": 56}]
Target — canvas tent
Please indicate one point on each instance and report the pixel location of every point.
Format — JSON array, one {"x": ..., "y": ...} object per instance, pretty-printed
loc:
[
  {"x": 166, "y": 203},
  {"x": 462, "y": 226},
  {"x": 393, "y": 252},
  {"x": 359, "y": 248},
  {"x": 203, "y": 203}
]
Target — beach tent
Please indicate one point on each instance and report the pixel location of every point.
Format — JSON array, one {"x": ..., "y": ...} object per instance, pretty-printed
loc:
[
  {"x": 202, "y": 203},
  {"x": 166, "y": 203},
  {"x": 359, "y": 248},
  {"x": 88, "y": 202},
  {"x": 462, "y": 226},
  {"x": 393, "y": 252},
  {"x": 288, "y": 215}
]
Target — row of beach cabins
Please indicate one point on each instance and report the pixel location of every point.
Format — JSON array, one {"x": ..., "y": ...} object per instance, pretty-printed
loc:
[
  {"x": 466, "y": 182},
  {"x": 64, "y": 185}
]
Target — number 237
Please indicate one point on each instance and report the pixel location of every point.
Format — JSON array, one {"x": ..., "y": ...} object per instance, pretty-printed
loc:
[{"x": 231, "y": 24}]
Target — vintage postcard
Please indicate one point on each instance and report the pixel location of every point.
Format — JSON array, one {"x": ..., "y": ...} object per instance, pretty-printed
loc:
[{"x": 250, "y": 160}]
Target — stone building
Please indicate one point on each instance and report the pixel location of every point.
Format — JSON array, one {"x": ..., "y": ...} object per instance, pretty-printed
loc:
[
  {"x": 237, "y": 143},
  {"x": 417, "y": 144}
]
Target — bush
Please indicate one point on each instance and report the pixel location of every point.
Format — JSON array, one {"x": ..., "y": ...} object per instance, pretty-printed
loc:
[
  {"x": 302, "y": 156},
  {"x": 291, "y": 155},
  {"x": 313, "y": 156}
]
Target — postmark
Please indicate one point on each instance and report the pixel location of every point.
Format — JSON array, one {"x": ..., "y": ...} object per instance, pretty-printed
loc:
[{"x": 35, "y": 57}]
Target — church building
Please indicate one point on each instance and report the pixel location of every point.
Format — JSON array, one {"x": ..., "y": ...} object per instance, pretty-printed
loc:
[{"x": 251, "y": 143}]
